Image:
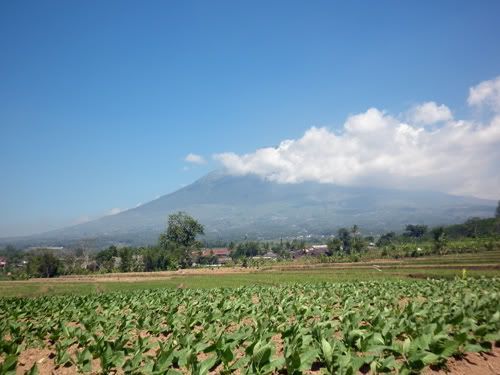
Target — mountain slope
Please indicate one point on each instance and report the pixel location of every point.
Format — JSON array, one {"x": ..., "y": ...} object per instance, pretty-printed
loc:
[{"x": 231, "y": 207}]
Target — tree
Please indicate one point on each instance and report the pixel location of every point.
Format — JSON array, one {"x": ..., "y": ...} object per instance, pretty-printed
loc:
[
  {"x": 247, "y": 249},
  {"x": 440, "y": 240},
  {"x": 386, "y": 239},
  {"x": 179, "y": 240},
  {"x": 344, "y": 235},
  {"x": 126, "y": 260},
  {"x": 297, "y": 244},
  {"x": 44, "y": 264},
  {"x": 497, "y": 211},
  {"x": 182, "y": 230},
  {"x": 334, "y": 246},
  {"x": 358, "y": 244},
  {"x": 106, "y": 258},
  {"x": 470, "y": 227},
  {"x": 415, "y": 231},
  {"x": 157, "y": 258},
  {"x": 13, "y": 256}
]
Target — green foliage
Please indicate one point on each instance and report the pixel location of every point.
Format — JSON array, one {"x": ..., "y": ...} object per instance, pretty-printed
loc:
[
  {"x": 347, "y": 241},
  {"x": 344, "y": 235},
  {"x": 295, "y": 244},
  {"x": 440, "y": 239},
  {"x": 160, "y": 258},
  {"x": 248, "y": 249},
  {"x": 334, "y": 246},
  {"x": 384, "y": 326},
  {"x": 182, "y": 230},
  {"x": 386, "y": 239},
  {"x": 475, "y": 228},
  {"x": 179, "y": 240},
  {"x": 44, "y": 264},
  {"x": 415, "y": 231}
]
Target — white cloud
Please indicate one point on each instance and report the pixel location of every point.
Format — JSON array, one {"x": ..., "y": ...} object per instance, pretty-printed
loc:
[
  {"x": 487, "y": 93},
  {"x": 82, "y": 219},
  {"x": 114, "y": 211},
  {"x": 375, "y": 148},
  {"x": 195, "y": 159},
  {"x": 429, "y": 113}
]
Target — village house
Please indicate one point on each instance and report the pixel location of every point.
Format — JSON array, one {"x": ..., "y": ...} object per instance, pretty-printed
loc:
[
  {"x": 3, "y": 263},
  {"x": 314, "y": 250},
  {"x": 221, "y": 253},
  {"x": 218, "y": 252},
  {"x": 317, "y": 250}
]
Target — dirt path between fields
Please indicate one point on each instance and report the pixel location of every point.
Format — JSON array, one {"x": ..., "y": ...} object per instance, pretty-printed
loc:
[{"x": 165, "y": 275}]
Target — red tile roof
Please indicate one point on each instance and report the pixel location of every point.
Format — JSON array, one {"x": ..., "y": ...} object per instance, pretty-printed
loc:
[{"x": 219, "y": 252}]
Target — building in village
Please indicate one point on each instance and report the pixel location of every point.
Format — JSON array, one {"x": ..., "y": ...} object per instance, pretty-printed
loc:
[
  {"x": 222, "y": 254},
  {"x": 314, "y": 251}
]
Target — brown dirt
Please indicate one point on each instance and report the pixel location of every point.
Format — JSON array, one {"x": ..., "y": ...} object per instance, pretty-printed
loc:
[
  {"x": 470, "y": 364},
  {"x": 166, "y": 275},
  {"x": 403, "y": 302},
  {"x": 74, "y": 324},
  {"x": 278, "y": 344},
  {"x": 44, "y": 359},
  {"x": 233, "y": 327}
]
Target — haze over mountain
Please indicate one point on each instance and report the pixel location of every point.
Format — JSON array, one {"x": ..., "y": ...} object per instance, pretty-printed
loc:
[{"x": 238, "y": 207}]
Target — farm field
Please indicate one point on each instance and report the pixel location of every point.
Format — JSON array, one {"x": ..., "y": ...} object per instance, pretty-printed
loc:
[
  {"x": 214, "y": 279},
  {"x": 439, "y": 267},
  {"x": 401, "y": 326},
  {"x": 412, "y": 315}
]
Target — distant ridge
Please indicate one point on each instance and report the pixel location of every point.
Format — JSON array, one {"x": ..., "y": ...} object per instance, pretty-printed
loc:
[{"x": 235, "y": 207}]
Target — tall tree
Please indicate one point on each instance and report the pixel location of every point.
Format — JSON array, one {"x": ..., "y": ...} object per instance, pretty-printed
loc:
[
  {"x": 497, "y": 211},
  {"x": 182, "y": 230},
  {"x": 126, "y": 259},
  {"x": 179, "y": 240},
  {"x": 440, "y": 239},
  {"x": 386, "y": 239},
  {"x": 344, "y": 235},
  {"x": 44, "y": 264},
  {"x": 334, "y": 246},
  {"x": 415, "y": 231}
]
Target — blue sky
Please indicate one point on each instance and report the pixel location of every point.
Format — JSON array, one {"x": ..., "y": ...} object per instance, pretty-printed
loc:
[{"x": 101, "y": 101}]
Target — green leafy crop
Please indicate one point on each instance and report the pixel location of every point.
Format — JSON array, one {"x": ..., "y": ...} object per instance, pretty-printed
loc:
[{"x": 382, "y": 326}]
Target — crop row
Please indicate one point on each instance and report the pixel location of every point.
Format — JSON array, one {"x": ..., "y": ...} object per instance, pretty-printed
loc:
[{"x": 385, "y": 326}]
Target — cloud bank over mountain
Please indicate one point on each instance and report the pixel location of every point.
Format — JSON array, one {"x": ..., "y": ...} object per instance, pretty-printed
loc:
[{"x": 424, "y": 148}]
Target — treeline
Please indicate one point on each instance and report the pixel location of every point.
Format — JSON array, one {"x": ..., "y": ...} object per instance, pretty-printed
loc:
[
  {"x": 472, "y": 228},
  {"x": 178, "y": 247},
  {"x": 175, "y": 250},
  {"x": 247, "y": 249}
]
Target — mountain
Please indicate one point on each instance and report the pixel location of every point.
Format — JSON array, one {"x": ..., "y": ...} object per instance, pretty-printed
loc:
[{"x": 235, "y": 207}]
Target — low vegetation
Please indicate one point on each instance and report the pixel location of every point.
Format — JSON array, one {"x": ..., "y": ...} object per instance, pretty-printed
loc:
[{"x": 336, "y": 328}]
